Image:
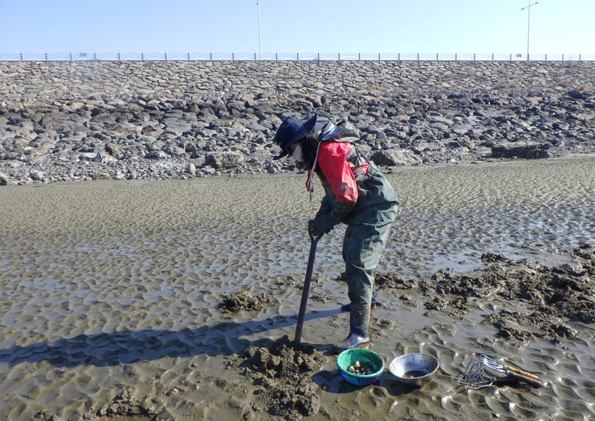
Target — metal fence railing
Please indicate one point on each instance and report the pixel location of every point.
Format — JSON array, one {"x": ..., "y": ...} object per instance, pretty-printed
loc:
[{"x": 294, "y": 56}]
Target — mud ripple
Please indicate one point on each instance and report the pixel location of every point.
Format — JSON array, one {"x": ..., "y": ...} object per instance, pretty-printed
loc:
[{"x": 114, "y": 286}]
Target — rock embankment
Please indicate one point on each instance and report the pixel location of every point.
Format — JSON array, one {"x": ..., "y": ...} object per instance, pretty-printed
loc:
[{"x": 152, "y": 120}]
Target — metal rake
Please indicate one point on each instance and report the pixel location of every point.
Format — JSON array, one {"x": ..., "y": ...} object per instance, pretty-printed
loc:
[{"x": 474, "y": 376}]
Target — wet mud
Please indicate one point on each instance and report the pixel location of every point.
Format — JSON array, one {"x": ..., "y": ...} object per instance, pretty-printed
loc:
[
  {"x": 135, "y": 301},
  {"x": 244, "y": 301},
  {"x": 550, "y": 297},
  {"x": 124, "y": 406},
  {"x": 282, "y": 373}
]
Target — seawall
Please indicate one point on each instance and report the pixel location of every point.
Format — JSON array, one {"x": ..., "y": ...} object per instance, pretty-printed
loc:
[{"x": 164, "y": 119}]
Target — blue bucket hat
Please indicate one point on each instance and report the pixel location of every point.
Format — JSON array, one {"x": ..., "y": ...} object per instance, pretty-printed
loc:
[{"x": 291, "y": 130}]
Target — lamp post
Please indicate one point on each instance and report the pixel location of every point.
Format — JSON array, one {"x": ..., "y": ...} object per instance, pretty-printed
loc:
[
  {"x": 259, "y": 37},
  {"x": 529, "y": 23}
]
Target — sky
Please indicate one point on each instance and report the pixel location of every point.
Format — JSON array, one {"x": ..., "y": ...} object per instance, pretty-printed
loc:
[{"x": 297, "y": 26}]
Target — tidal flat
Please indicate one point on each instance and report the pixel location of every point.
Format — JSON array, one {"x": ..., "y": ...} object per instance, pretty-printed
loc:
[{"x": 110, "y": 293}]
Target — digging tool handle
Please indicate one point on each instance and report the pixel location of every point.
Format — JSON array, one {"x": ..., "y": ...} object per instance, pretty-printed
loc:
[
  {"x": 518, "y": 371},
  {"x": 305, "y": 292},
  {"x": 526, "y": 379}
]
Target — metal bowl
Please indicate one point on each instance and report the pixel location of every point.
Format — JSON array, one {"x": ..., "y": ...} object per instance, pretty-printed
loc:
[
  {"x": 414, "y": 369},
  {"x": 350, "y": 356}
]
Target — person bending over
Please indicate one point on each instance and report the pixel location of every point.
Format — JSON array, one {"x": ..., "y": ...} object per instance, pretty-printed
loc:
[{"x": 356, "y": 194}]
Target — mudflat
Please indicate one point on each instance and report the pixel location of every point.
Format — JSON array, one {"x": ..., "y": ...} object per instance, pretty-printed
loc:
[{"x": 139, "y": 300}]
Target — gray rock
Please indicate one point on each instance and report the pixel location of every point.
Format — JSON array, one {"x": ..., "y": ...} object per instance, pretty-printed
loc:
[
  {"x": 5, "y": 180},
  {"x": 395, "y": 158},
  {"x": 224, "y": 160},
  {"x": 36, "y": 175},
  {"x": 114, "y": 150},
  {"x": 177, "y": 128},
  {"x": 43, "y": 148},
  {"x": 527, "y": 151},
  {"x": 90, "y": 156},
  {"x": 576, "y": 95},
  {"x": 157, "y": 155},
  {"x": 190, "y": 169}
]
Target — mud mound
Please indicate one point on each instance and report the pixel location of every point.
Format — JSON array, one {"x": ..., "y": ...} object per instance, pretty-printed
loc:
[
  {"x": 390, "y": 281},
  {"x": 122, "y": 406},
  {"x": 283, "y": 375},
  {"x": 524, "y": 327},
  {"x": 550, "y": 297},
  {"x": 243, "y": 300}
]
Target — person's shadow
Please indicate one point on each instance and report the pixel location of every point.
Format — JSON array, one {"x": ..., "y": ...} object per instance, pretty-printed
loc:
[{"x": 127, "y": 347}]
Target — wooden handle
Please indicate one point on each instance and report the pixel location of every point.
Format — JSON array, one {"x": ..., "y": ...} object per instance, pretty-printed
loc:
[
  {"x": 515, "y": 370},
  {"x": 526, "y": 379},
  {"x": 305, "y": 292}
]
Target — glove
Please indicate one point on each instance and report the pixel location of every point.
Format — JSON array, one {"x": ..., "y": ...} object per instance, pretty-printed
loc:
[{"x": 322, "y": 224}]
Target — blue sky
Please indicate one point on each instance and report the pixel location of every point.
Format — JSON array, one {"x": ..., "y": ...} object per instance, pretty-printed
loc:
[{"x": 291, "y": 26}]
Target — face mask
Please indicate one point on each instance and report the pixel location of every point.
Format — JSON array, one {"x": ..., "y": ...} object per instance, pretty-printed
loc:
[{"x": 297, "y": 154}]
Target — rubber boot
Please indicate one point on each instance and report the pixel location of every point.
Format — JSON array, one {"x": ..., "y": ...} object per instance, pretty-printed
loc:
[
  {"x": 359, "y": 319},
  {"x": 347, "y": 307}
]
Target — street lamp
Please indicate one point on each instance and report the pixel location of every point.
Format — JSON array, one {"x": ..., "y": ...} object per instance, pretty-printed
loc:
[
  {"x": 259, "y": 37},
  {"x": 529, "y": 23}
]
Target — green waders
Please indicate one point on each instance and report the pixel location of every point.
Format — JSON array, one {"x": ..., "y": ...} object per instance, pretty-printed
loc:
[{"x": 363, "y": 245}]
